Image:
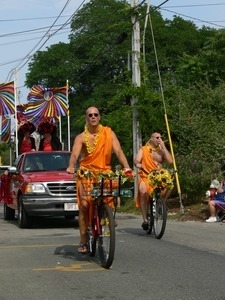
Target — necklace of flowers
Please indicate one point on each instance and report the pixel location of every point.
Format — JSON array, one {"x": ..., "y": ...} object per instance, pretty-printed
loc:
[
  {"x": 90, "y": 148},
  {"x": 152, "y": 149}
]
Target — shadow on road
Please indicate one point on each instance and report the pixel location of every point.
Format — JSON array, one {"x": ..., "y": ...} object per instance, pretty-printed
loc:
[{"x": 70, "y": 252}]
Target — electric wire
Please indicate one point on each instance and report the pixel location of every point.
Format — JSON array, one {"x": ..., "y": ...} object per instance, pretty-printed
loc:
[
  {"x": 65, "y": 31},
  {"x": 30, "y": 31},
  {"x": 47, "y": 35},
  {"x": 98, "y": 56},
  {"x": 23, "y": 62},
  {"x": 193, "y": 18}
]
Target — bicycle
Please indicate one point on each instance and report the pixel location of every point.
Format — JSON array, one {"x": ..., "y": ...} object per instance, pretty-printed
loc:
[
  {"x": 157, "y": 210},
  {"x": 102, "y": 229}
]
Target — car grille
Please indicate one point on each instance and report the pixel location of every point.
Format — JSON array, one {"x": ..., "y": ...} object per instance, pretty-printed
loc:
[{"x": 62, "y": 188}]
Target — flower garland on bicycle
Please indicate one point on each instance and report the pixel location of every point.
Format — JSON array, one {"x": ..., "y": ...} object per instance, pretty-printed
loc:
[
  {"x": 162, "y": 179},
  {"x": 95, "y": 146},
  {"x": 111, "y": 180},
  {"x": 150, "y": 157}
]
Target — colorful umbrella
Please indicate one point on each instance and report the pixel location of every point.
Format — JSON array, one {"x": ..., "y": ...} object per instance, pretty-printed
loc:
[
  {"x": 7, "y": 99},
  {"x": 47, "y": 102}
]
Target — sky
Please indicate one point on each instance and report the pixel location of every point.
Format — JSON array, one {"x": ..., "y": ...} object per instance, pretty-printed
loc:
[{"x": 28, "y": 26}]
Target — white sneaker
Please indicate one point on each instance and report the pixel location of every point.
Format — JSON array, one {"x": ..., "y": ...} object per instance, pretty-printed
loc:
[{"x": 211, "y": 220}]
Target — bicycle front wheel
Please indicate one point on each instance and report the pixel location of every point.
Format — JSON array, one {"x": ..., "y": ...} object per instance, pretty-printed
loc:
[
  {"x": 160, "y": 216},
  {"x": 150, "y": 218},
  {"x": 91, "y": 243},
  {"x": 107, "y": 236}
]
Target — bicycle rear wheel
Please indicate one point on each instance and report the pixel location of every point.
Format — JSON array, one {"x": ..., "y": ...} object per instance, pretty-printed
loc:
[
  {"x": 107, "y": 236},
  {"x": 160, "y": 217}
]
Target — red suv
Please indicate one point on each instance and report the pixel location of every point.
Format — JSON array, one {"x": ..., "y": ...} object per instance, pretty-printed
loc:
[{"x": 38, "y": 185}]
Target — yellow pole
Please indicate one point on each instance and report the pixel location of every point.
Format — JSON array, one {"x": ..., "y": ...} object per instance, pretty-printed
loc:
[
  {"x": 174, "y": 163},
  {"x": 167, "y": 124}
]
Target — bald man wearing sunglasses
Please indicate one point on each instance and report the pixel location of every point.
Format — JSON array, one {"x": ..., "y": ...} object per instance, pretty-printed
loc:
[
  {"x": 95, "y": 146},
  {"x": 150, "y": 157}
]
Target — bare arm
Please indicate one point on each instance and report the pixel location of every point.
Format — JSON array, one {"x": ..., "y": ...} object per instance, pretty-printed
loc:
[
  {"x": 119, "y": 152},
  {"x": 138, "y": 159},
  {"x": 77, "y": 146},
  {"x": 166, "y": 154}
]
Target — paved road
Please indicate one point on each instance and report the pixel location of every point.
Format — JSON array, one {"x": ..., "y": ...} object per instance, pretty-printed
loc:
[{"x": 42, "y": 262}]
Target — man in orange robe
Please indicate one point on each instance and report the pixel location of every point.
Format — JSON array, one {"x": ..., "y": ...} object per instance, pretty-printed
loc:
[
  {"x": 150, "y": 157},
  {"x": 95, "y": 146}
]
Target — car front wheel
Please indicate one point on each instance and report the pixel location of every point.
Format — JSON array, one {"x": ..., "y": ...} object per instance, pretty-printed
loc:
[{"x": 24, "y": 221}]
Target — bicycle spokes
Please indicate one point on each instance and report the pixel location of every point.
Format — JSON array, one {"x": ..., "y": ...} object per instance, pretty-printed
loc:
[
  {"x": 106, "y": 239},
  {"x": 91, "y": 242},
  {"x": 160, "y": 217}
]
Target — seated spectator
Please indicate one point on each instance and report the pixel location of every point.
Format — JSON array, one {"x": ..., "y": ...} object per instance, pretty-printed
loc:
[
  {"x": 217, "y": 202},
  {"x": 50, "y": 141}
]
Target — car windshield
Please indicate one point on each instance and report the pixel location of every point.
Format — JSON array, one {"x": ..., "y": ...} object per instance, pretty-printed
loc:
[{"x": 46, "y": 161}]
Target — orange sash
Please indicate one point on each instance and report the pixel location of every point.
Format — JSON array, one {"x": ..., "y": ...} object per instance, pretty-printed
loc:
[{"x": 100, "y": 158}]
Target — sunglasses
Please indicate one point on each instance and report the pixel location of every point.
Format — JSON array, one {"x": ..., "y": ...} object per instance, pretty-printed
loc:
[
  {"x": 93, "y": 115},
  {"x": 157, "y": 137}
]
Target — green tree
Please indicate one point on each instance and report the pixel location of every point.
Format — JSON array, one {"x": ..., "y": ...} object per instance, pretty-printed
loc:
[
  {"x": 50, "y": 68},
  {"x": 207, "y": 64}
]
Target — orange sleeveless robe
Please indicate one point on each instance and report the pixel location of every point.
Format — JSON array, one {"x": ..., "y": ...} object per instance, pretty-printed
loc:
[{"x": 98, "y": 160}]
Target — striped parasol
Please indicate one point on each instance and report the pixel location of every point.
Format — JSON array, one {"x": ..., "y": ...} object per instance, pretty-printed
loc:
[
  {"x": 47, "y": 102},
  {"x": 7, "y": 99},
  {"x": 6, "y": 129}
]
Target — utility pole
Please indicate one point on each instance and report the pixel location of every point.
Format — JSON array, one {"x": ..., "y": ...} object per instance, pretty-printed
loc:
[{"x": 136, "y": 79}]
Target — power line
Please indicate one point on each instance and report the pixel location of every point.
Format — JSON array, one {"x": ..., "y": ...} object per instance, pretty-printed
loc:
[
  {"x": 104, "y": 50},
  {"x": 194, "y": 5},
  {"x": 168, "y": 7},
  {"x": 31, "y": 39},
  {"x": 31, "y": 19},
  {"x": 193, "y": 18},
  {"x": 30, "y": 31},
  {"x": 46, "y": 36},
  {"x": 51, "y": 31}
]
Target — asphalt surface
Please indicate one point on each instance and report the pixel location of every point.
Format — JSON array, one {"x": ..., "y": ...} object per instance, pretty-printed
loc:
[{"x": 43, "y": 263}]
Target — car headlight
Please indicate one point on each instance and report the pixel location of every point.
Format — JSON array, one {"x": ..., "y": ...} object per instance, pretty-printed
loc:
[{"x": 35, "y": 188}]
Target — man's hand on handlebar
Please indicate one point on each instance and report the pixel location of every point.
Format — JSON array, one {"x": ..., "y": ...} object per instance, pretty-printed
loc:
[{"x": 70, "y": 170}]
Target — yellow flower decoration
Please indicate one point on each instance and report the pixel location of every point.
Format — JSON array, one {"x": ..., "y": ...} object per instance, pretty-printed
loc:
[
  {"x": 161, "y": 178},
  {"x": 84, "y": 173},
  {"x": 97, "y": 175},
  {"x": 107, "y": 174},
  {"x": 90, "y": 148}
]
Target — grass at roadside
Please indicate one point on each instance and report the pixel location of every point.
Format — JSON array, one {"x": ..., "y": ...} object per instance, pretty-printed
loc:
[{"x": 128, "y": 206}]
